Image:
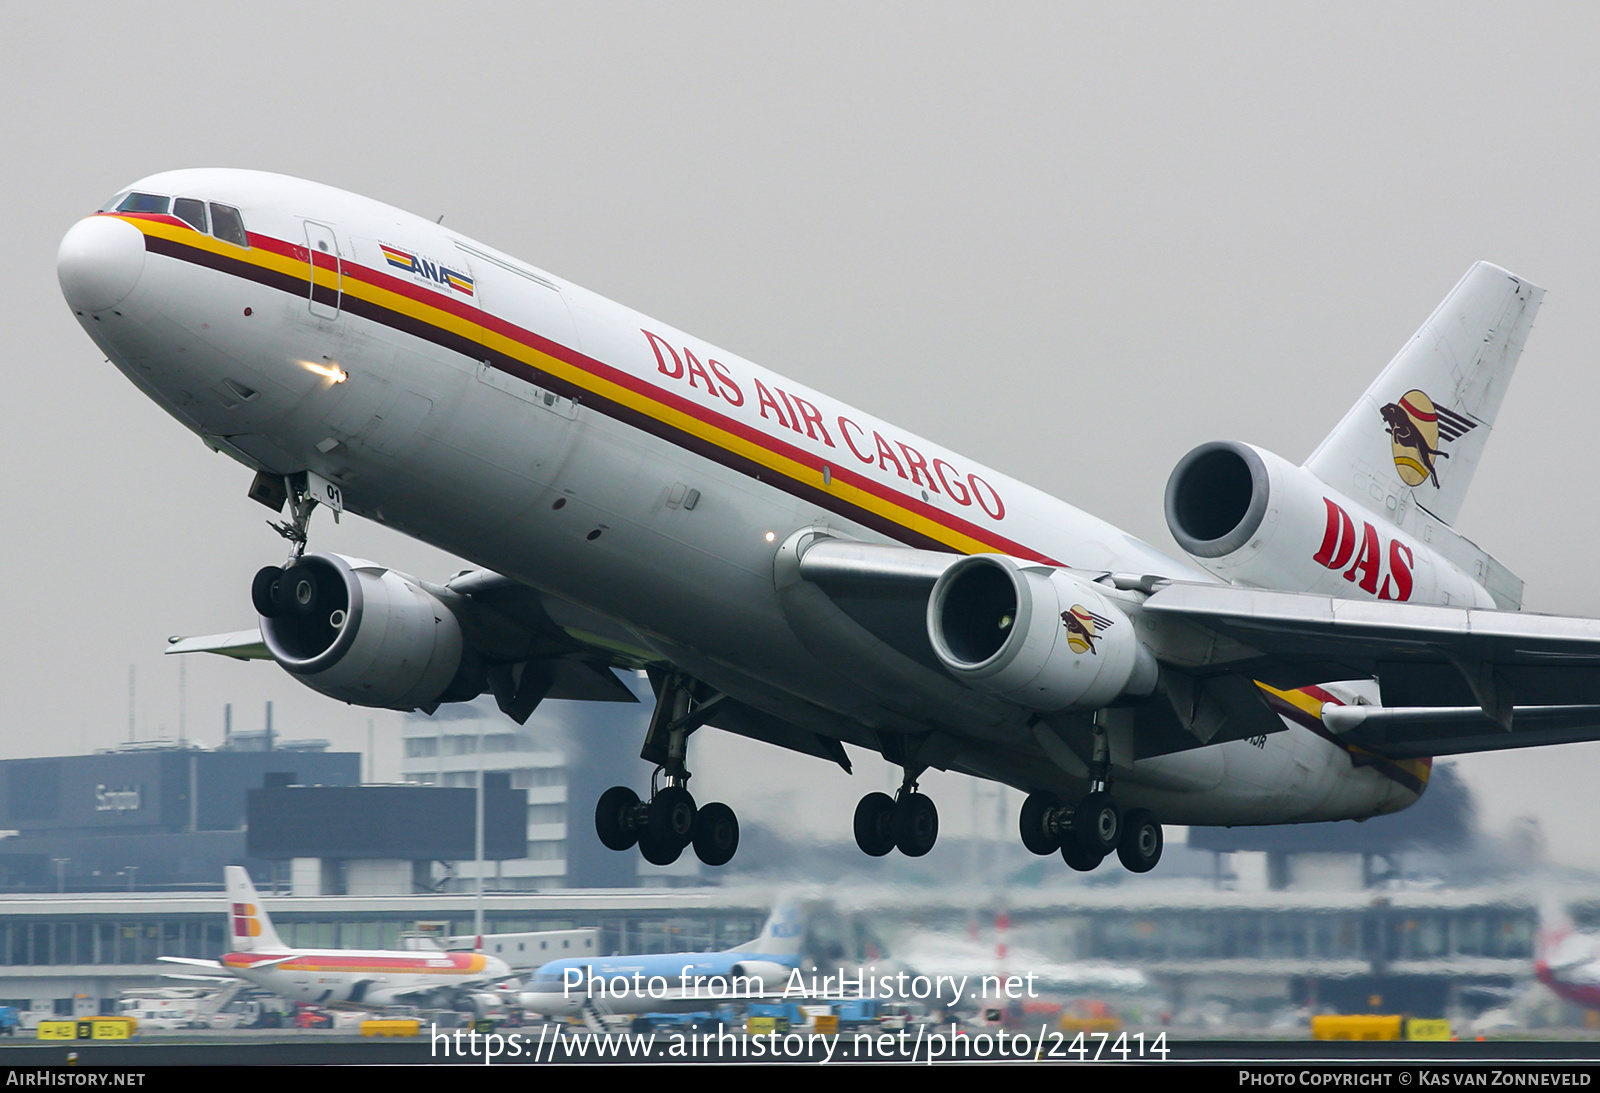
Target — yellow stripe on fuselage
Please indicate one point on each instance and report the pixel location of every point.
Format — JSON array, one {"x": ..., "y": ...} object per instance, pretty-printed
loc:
[{"x": 442, "y": 319}]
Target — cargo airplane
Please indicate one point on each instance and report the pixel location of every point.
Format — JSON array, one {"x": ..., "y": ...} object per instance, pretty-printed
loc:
[
  {"x": 797, "y": 571},
  {"x": 329, "y": 976}
]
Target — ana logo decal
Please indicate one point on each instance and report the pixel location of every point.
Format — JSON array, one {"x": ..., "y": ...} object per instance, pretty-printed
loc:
[
  {"x": 426, "y": 269},
  {"x": 1083, "y": 626},
  {"x": 1416, "y": 428}
]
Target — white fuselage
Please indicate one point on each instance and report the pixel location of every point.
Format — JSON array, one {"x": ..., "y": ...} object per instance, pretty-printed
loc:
[
  {"x": 362, "y": 977},
  {"x": 642, "y": 478}
]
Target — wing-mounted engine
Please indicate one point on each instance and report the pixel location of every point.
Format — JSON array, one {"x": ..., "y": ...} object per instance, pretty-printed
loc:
[
  {"x": 1250, "y": 517},
  {"x": 363, "y": 633},
  {"x": 1042, "y": 637}
]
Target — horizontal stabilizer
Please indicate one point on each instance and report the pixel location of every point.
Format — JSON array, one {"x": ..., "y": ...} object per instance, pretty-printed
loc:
[
  {"x": 1415, "y": 732},
  {"x": 1494, "y": 664},
  {"x": 241, "y": 645}
]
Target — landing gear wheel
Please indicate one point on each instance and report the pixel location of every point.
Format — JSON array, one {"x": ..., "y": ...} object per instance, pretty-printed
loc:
[
  {"x": 916, "y": 824},
  {"x": 1096, "y": 824},
  {"x": 656, "y": 853},
  {"x": 1140, "y": 846},
  {"x": 1035, "y": 836},
  {"x": 875, "y": 824},
  {"x": 716, "y": 834},
  {"x": 672, "y": 818},
  {"x": 613, "y": 818},
  {"x": 1084, "y": 861},
  {"x": 264, "y": 591}
]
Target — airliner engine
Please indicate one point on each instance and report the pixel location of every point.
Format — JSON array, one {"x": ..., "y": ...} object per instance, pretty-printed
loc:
[
  {"x": 361, "y": 633},
  {"x": 1250, "y": 517},
  {"x": 1039, "y": 636}
]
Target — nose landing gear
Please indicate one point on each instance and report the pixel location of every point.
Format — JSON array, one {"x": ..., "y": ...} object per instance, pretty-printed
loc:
[{"x": 664, "y": 826}]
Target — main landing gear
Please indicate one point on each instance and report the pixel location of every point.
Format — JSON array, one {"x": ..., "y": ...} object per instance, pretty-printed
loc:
[
  {"x": 1086, "y": 833},
  {"x": 907, "y": 822},
  {"x": 669, "y": 822}
]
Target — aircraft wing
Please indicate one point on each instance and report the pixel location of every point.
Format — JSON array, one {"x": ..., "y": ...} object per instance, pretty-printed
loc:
[
  {"x": 194, "y": 962},
  {"x": 241, "y": 645},
  {"x": 535, "y": 647},
  {"x": 1453, "y": 679}
]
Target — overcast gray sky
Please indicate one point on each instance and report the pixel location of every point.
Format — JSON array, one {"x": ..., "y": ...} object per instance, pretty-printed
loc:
[{"x": 1070, "y": 240}]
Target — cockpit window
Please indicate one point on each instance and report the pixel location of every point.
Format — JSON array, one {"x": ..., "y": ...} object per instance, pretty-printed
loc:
[
  {"x": 143, "y": 203},
  {"x": 191, "y": 211},
  {"x": 227, "y": 225}
]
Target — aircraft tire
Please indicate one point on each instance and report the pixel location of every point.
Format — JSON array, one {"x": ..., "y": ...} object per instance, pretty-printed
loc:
[
  {"x": 716, "y": 834},
  {"x": 612, "y": 818},
  {"x": 916, "y": 824},
  {"x": 655, "y": 853},
  {"x": 264, "y": 594},
  {"x": 1084, "y": 861},
  {"x": 1031, "y": 822},
  {"x": 875, "y": 824},
  {"x": 1097, "y": 824},
  {"x": 672, "y": 817},
  {"x": 1140, "y": 847}
]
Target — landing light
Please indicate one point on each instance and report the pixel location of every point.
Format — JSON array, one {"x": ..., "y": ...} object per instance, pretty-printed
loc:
[
  {"x": 771, "y": 536},
  {"x": 332, "y": 371}
]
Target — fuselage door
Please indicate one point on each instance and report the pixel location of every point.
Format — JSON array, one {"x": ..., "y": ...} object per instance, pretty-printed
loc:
[{"x": 326, "y": 276}]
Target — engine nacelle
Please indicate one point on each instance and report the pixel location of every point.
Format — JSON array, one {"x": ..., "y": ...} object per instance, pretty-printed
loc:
[
  {"x": 1250, "y": 517},
  {"x": 362, "y": 633},
  {"x": 1042, "y": 637}
]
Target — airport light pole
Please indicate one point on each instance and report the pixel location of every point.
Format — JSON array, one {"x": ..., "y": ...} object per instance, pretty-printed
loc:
[{"x": 477, "y": 917}]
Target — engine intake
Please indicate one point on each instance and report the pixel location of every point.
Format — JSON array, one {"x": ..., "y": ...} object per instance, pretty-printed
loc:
[
  {"x": 361, "y": 633},
  {"x": 1042, "y": 637},
  {"x": 1216, "y": 498}
]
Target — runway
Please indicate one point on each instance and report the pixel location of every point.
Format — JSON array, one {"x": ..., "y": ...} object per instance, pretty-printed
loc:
[{"x": 578, "y": 1047}]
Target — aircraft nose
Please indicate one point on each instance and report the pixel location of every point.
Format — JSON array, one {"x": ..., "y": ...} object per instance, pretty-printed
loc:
[{"x": 99, "y": 262}]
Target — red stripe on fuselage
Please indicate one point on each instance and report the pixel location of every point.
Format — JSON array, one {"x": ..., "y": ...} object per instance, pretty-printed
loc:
[{"x": 611, "y": 374}]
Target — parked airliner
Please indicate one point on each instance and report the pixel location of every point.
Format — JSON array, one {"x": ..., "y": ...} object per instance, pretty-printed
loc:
[
  {"x": 798, "y": 571},
  {"x": 671, "y": 982},
  {"x": 356, "y": 976}
]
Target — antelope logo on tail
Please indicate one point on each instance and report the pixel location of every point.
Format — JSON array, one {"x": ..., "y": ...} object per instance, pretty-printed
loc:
[{"x": 1416, "y": 428}]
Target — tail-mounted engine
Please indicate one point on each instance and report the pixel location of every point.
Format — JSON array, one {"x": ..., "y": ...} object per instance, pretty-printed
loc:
[
  {"x": 1250, "y": 517},
  {"x": 361, "y": 633},
  {"x": 1041, "y": 637}
]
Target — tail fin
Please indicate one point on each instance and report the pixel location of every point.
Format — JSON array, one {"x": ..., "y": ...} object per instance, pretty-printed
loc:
[
  {"x": 781, "y": 936},
  {"x": 1410, "y": 444},
  {"x": 247, "y": 919},
  {"x": 1417, "y": 433}
]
